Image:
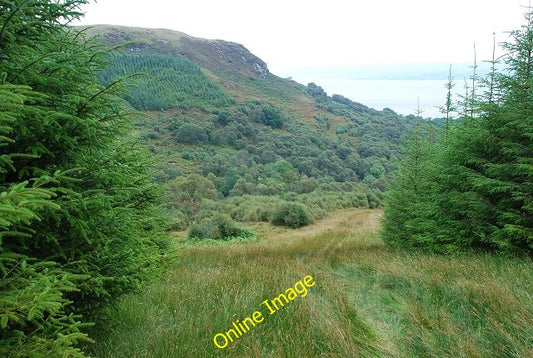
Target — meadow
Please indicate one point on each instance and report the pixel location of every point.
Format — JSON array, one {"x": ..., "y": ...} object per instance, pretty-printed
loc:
[
  {"x": 85, "y": 237},
  {"x": 368, "y": 300}
]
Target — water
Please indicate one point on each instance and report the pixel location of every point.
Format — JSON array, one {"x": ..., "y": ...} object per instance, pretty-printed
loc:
[{"x": 398, "y": 95}]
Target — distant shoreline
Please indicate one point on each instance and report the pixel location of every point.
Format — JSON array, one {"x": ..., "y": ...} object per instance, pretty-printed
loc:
[
  {"x": 394, "y": 86},
  {"x": 399, "y": 95}
]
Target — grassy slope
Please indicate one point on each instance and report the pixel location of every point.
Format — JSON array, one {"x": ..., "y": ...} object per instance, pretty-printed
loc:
[{"x": 368, "y": 300}]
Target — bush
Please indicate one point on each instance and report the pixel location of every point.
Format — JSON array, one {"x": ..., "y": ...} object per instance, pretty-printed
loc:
[
  {"x": 292, "y": 215},
  {"x": 177, "y": 221},
  {"x": 224, "y": 118},
  {"x": 219, "y": 227},
  {"x": 254, "y": 208},
  {"x": 191, "y": 134},
  {"x": 272, "y": 116}
]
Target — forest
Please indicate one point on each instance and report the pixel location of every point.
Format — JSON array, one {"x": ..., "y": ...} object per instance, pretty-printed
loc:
[{"x": 126, "y": 164}]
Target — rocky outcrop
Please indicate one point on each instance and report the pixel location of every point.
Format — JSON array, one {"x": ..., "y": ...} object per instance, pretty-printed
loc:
[{"x": 224, "y": 55}]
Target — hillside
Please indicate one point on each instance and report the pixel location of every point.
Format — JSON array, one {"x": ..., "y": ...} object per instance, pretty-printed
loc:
[{"x": 210, "y": 108}]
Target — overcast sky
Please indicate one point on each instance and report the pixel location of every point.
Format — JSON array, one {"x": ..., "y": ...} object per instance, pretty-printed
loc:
[{"x": 290, "y": 34}]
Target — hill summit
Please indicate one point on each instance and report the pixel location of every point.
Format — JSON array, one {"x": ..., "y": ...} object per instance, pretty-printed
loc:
[{"x": 212, "y": 55}]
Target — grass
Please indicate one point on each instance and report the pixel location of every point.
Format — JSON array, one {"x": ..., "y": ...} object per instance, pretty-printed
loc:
[{"x": 368, "y": 301}]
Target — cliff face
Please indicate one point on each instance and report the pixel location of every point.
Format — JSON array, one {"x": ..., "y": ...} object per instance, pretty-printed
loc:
[{"x": 212, "y": 55}]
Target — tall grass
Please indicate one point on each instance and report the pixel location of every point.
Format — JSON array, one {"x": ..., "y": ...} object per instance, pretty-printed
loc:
[{"x": 368, "y": 301}]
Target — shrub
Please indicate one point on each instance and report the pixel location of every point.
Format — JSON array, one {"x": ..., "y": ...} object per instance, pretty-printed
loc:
[
  {"x": 189, "y": 190},
  {"x": 219, "y": 227},
  {"x": 177, "y": 221},
  {"x": 191, "y": 134},
  {"x": 292, "y": 215},
  {"x": 224, "y": 118},
  {"x": 272, "y": 116}
]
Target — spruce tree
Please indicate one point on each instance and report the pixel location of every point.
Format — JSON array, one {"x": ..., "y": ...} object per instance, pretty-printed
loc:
[
  {"x": 491, "y": 159},
  {"x": 408, "y": 202},
  {"x": 482, "y": 177},
  {"x": 77, "y": 213}
]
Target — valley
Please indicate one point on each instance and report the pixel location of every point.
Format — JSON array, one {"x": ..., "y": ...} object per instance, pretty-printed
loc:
[
  {"x": 163, "y": 195},
  {"x": 213, "y": 116}
]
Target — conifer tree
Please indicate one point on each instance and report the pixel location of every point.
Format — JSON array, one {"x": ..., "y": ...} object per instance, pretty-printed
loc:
[
  {"x": 492, "y": 159},
  {"x": 77, "y": 214},
  {"x": 482, "y": 179},
  {"x": 407, "y": 204}
]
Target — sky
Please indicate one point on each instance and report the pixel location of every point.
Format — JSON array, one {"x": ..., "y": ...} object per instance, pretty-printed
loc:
[
  {"x": 325, "y": 41},
  {"x": 292, "y": 34}
]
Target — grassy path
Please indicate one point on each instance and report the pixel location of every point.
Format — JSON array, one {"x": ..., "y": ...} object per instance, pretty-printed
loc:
[{"x": 367, "y": 300}]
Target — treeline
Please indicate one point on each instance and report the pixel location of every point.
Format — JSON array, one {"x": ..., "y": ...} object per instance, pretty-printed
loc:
[
  {"x": 78, "y": 223},
  {"x": 471, "y": 186},
  {"x": 163, "y": 82}
]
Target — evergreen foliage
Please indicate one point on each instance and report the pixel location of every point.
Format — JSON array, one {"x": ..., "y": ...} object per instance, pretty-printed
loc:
[
  {"x": 477, "y": 186},
  {"x": 165, "y": 82},
  {"x": 408, "y": 203},
  {"x": 77, "y": 214}
]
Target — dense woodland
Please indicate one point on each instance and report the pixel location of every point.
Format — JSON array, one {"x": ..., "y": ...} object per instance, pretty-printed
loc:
[
  {"x": 102, "y": 151},
  {"x": 167, "y": 82}
]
